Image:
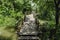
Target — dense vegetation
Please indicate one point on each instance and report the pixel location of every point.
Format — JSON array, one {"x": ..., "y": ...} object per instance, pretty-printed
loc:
[{"x": 11, "y": 11}]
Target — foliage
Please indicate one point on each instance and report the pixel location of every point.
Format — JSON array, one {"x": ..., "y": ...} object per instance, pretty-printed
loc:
[{"x": 11, "y": 11}]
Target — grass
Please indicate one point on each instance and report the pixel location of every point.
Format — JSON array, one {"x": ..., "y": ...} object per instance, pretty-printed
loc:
[
  {"x": 44, "y": 21},
  {"x": 7, "y": 34}
]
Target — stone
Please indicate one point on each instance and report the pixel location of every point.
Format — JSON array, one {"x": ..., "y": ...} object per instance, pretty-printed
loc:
[
  {"x": 29, "y": 26},
  {"x": 28, "y": 31},
  {"x": 28, "y": 38}
]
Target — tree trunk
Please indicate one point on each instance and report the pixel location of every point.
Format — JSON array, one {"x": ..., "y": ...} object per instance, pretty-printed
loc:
[{"x": 57, "y": 16}]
